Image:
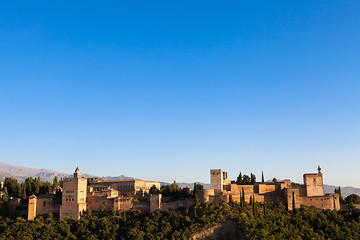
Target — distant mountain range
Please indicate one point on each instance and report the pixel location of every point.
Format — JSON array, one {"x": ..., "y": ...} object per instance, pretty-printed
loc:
[{"x": 20, "y": 173}]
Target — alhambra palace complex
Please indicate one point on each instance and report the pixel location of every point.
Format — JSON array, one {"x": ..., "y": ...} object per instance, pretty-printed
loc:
[
  {"x": 80, "y": 193},
  {"x": 311, "y": 193}
]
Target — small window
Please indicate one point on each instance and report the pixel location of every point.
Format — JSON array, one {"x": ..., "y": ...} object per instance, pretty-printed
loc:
[
  {"x": 44, "y": 203},
  {"x": 314, "y": 180}
]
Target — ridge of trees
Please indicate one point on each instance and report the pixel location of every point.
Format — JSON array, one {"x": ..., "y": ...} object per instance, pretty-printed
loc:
[
  {"x": 246, "y": 180},
  {"x": 255, "y": 220}
]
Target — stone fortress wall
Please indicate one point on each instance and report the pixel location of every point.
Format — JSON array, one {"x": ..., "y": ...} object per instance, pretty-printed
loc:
[
  {"x": 80, "y": 194},
  {"x": 311, "y": 193}
]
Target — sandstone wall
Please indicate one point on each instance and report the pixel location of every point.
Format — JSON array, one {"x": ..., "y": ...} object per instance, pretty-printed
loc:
[
  {"x": 47, "y": 205},
  {"x": 328, "y": 201},
  {"x": 186, "y": 203},
  {"x": 94, "y": 203}
]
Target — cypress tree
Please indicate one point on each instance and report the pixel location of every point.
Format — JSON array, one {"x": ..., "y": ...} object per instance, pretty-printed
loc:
[
  {"x": 252, "y": 179},
  {"x": 56, "y": 182},
  {"x": 243, "y": 195},
  {"x": 196, "y": 200},
  {"x": 253, "y": 205},
  {"x": 23, "y": 195},
  {"x": 239, "y": 179},
  {"x": 37, "y": 186},
  {"x": 241, "y": 202},
  {"x": 61, "y": 182},
  {"x": 293, "y": 203},
  {"x": 262, "y": 176},
  {"x": 124, "y": 216},
  {"x": 264, "y": 206}
]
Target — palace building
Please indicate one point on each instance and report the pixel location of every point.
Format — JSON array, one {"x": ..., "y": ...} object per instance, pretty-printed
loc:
[
  {"x": 80, "y": 194},
  {"x": 311, "y": 193}
]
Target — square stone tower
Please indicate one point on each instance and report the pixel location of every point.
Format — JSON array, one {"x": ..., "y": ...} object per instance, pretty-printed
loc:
[
  {"x": 314, "y": 184},
  {"x": 74, "y": 196},
  {"x": 216, "y": 180}
]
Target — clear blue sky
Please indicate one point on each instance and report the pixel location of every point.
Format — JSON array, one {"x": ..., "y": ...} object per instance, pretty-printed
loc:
[{"x": 166, "y": 90}]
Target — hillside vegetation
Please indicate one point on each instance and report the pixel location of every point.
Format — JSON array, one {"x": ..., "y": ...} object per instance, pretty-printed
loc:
[{"x": 257, "y": 221}]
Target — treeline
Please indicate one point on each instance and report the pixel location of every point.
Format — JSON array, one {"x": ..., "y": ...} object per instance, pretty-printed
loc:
[
  {"x": 255, "y": 221},
  {"x": 12, "y": 188},
  {"x": 245, "y": 179},
  {"x": 271, "y": 221},
  {"x": 167, "y": 224},
  {"x": 175, "y": 191}
]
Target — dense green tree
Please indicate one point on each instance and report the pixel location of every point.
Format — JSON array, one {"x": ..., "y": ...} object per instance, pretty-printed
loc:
[
  {"x": 262, "y": 176},
  {"x": 293, "y": 202},
  {"x": 338, "y": 190},
  {"x": 56, "y": 182},
  {"x": 246, "y": 180},
  {"x": 239, "y": 179},
  {"x": 352, "y": 199},
  {"x": 61, "y": 182},
  {"x": 254, "y": 206},
  {"x": 198, "y": 187},
  {"x": 154, "y": 190},
  {"x": 12, "y": 186},
  {"x": 277, "y": 223},
  {"x": 252, "y": 179},
  {"x": 37, "y": 185},
  {"x": 5, "y": 196},
  {"x": 174, "y": 191},
  {"x": 23, "y": 195},
  {"x": 242, "y": 197}
]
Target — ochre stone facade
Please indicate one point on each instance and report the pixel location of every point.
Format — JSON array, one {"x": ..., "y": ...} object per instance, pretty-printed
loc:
[
  {"x": 42, "y": 205},
  {"x": 74, "y": 196},
  {"x": 311, "y": 193},
  {"x": 80, "y": 194},
  {"x": 133, "y": 187}
]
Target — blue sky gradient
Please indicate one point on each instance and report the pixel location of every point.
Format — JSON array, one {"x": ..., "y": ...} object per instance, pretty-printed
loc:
[{"x": 167, "y": 90}]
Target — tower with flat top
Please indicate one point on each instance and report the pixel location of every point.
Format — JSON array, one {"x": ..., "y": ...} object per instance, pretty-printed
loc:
[{"x": 314, "y": 183}]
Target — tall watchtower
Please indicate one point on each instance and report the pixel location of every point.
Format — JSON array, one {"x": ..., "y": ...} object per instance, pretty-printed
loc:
[
  {"x": 216, "y": 180},
  {"x": 74, "y": 196},
  {"x": 314, "y": 183}
]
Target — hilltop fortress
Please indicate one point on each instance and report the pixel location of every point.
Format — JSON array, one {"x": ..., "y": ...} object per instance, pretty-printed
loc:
[
  {"x": 80, "y": 193},
  {"x": 311, "y": 193}
]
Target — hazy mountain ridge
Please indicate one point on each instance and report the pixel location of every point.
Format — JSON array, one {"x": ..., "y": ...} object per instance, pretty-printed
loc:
[
  {"x": 121, "y": 177},
  {"x": 21, "y": 173},
  {"x": 345, "y": 191}
]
